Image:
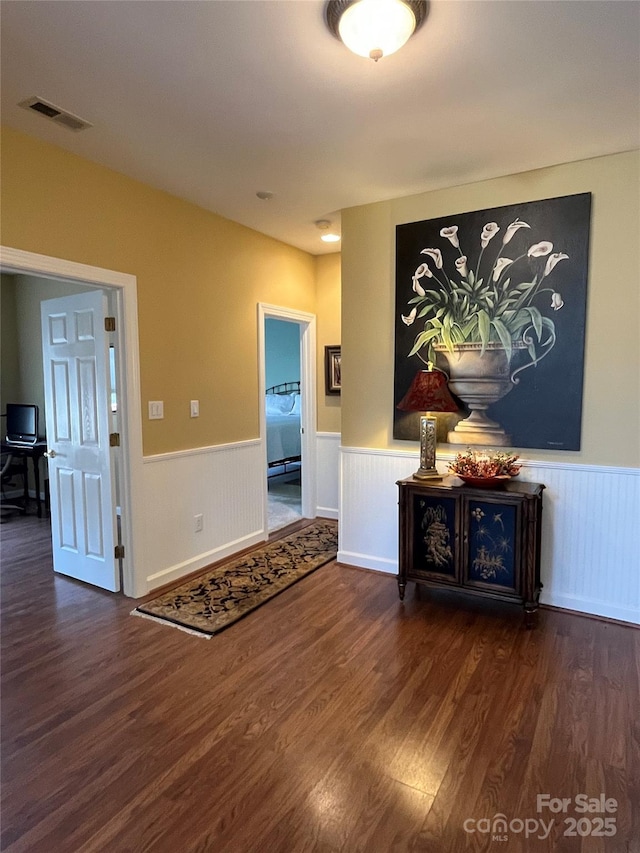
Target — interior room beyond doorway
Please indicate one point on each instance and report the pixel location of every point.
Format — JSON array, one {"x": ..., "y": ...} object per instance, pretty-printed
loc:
[{"x": 282, "y": 409}]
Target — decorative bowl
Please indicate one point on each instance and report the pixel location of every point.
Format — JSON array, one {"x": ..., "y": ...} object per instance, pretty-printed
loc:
[
  {"x": 485, "y": 482},
  {"x": 485, "y": 469}
]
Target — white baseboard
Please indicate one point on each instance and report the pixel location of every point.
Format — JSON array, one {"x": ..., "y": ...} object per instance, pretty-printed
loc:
[
  {"x": 326, "y": 512},
  {"x": 366, "y": 561},
  {"x": 201, "y": 561},
  {"x": 594, "y": 608}
]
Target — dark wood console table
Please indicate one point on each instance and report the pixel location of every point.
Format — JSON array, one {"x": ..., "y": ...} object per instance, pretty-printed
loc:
[
  {"x": 481, "y": 541},
  {"x": 34, "y": 452}
]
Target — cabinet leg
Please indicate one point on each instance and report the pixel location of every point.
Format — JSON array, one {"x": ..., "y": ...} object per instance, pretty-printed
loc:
[
  {"x": 530, "y": 614},
  {"x": 401, "y": 588}
]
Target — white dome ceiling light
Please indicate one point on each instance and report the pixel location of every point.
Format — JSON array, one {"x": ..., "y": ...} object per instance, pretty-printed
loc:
[
  {"x": 375, "y": 28},
  {"x": 328, "y": 236}
]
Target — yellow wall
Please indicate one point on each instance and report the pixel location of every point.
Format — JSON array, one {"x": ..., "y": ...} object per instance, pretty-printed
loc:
[
  {"x": 30, "y": 291},
  {"x": 611, "y": 422},
  {"x": 329, "y": 334},
  {"x": 199, "y": 276}
]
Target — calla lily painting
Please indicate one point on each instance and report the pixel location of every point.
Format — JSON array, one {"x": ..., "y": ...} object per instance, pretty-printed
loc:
[{"x": 504, "y": 285}]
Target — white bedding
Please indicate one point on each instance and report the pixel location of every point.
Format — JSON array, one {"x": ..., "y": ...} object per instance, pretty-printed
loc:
[{"x": 283, "y": 426}]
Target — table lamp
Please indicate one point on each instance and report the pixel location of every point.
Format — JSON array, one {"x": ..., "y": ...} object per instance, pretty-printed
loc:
[{"x": 428, "y": 393}]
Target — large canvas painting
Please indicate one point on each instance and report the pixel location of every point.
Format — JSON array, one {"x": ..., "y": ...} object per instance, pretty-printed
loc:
[{"x": 497, "y": 300}]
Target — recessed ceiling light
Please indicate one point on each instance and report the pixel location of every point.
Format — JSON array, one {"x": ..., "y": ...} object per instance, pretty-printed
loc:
[
  {"x": 331, "y": 238},
  {"x": 264, "y": 195}
]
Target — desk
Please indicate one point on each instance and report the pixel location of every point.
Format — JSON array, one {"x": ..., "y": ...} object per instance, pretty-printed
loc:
[{"x": 33, "y": 452}]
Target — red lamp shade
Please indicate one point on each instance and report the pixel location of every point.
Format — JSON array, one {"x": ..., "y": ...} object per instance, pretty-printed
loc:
[{"x": 428, "y": 393}]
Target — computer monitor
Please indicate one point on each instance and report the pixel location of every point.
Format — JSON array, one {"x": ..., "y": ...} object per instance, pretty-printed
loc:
[{"x": 22, "y": 424}]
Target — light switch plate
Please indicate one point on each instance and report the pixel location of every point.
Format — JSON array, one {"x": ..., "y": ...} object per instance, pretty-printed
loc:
[
  {"x": 195, "y": 408},
  {"x": 156, "y": 410}
]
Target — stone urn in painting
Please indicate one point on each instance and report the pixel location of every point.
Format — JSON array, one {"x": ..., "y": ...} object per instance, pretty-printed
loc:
[
  {"x": 484, "y": 325},
  {"x": 479, "y": 379}
]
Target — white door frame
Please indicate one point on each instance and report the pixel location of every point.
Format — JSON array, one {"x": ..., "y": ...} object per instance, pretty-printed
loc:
[
  {"x": 307, "y": 323},
  {"x": 124, "y": 287}
]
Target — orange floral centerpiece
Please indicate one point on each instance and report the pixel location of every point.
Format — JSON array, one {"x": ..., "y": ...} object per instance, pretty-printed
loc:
[{"x": 485, "y": 468}]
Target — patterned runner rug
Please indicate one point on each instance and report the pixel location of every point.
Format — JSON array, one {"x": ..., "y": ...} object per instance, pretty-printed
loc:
[{"x": 207, "y": 604}]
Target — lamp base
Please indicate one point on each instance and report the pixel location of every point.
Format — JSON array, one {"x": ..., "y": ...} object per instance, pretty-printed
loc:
[
  {"x": 427, "y": 474},
  {"x": 427, "y": 469}
]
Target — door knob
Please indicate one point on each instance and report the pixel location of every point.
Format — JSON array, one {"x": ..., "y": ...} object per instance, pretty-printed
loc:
[{"x": 50, "y": 454}]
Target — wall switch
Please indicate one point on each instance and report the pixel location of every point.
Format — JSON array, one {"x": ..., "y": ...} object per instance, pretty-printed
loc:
[
  {"x": 198, "y": 522},
  {"x": 195, "y": 408},
  {"x": 156, "y": 410}
]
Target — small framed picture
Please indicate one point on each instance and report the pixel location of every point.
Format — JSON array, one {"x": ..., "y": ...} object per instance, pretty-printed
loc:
[{"x": 332, "y": 370}]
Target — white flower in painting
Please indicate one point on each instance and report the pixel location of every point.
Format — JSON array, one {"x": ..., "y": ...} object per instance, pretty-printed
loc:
[
  {"x": 461, "y": 266},
  {"x": 511, "y": 230},
  {"x": 481, "y": 296},
  {"x": 423, "y": 269},
  {"x": 451, "y": 233},
  {"x": 436, "y": 256},
  {"x": 556, "y": 301},
  {"x": 538, "y": 250},
  {"x": 412, "y": 316},
  {"x": 501, "y": 263},
  {"x": 488, "y": 233},
  {"x": 554, "y": 259}
]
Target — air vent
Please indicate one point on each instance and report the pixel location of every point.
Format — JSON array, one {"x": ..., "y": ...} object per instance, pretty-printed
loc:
[{"x": 56, "y": 114}]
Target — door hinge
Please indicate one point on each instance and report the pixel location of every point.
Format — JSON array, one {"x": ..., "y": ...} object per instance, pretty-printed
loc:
[
  {"x": 114, "y": 439},
  {"x": 118, "y": 552},
  {"x": 109, "y": 324}
]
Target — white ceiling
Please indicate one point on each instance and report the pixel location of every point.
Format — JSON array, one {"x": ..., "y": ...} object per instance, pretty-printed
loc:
[{"x": 215, "y": 100}]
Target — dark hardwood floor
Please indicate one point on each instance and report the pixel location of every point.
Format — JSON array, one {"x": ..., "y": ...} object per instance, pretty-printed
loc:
[{"x": 333, "y": 718}]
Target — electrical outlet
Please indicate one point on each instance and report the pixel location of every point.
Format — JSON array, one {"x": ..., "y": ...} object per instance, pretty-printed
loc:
[{"x": 198, "y": 522}]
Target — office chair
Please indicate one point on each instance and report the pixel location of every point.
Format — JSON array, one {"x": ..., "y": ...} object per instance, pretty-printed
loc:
[{"x": 10, "y": 468}]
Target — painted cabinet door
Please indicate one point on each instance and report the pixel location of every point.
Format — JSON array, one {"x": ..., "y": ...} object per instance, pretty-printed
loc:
[
  {"x": 434, "y": 533},
  {"x": 492, "y": 544}
]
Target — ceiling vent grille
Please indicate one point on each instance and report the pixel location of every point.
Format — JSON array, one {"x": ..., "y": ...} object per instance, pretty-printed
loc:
[{"x": 60, "y": 116}]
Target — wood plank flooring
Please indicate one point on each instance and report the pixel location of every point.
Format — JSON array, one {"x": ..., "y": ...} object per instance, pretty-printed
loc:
[{"x": 334, "y": 718}]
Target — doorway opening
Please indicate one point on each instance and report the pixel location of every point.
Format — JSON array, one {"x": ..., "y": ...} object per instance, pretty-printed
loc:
[
  {"x": 25, "y": 381},
  {"x": 287, "y": 414},
  {"x": 121, "y": 292},
  {"x": 282, "y": 411}
]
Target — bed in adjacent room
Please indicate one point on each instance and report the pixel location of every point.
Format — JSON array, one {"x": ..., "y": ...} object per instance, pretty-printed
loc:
[{"x": 282, "y": 406}]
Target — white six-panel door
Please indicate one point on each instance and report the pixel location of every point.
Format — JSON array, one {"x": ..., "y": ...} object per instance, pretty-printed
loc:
[{"x": 76, "y": 368}]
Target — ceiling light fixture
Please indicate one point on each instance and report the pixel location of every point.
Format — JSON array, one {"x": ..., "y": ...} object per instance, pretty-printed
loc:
[
  {"x": 264, "y": 195},
  {"x": 324, "y": 225},
  {"x": 375, "y": 28}
]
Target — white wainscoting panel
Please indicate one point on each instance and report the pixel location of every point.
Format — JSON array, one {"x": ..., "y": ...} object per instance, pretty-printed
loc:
[
  {"x": 328, "y": 474},
  {"x": 224, "y": 484},
  {"x": 368, "y": 534},
  {"x": 590, "y": 555}
]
